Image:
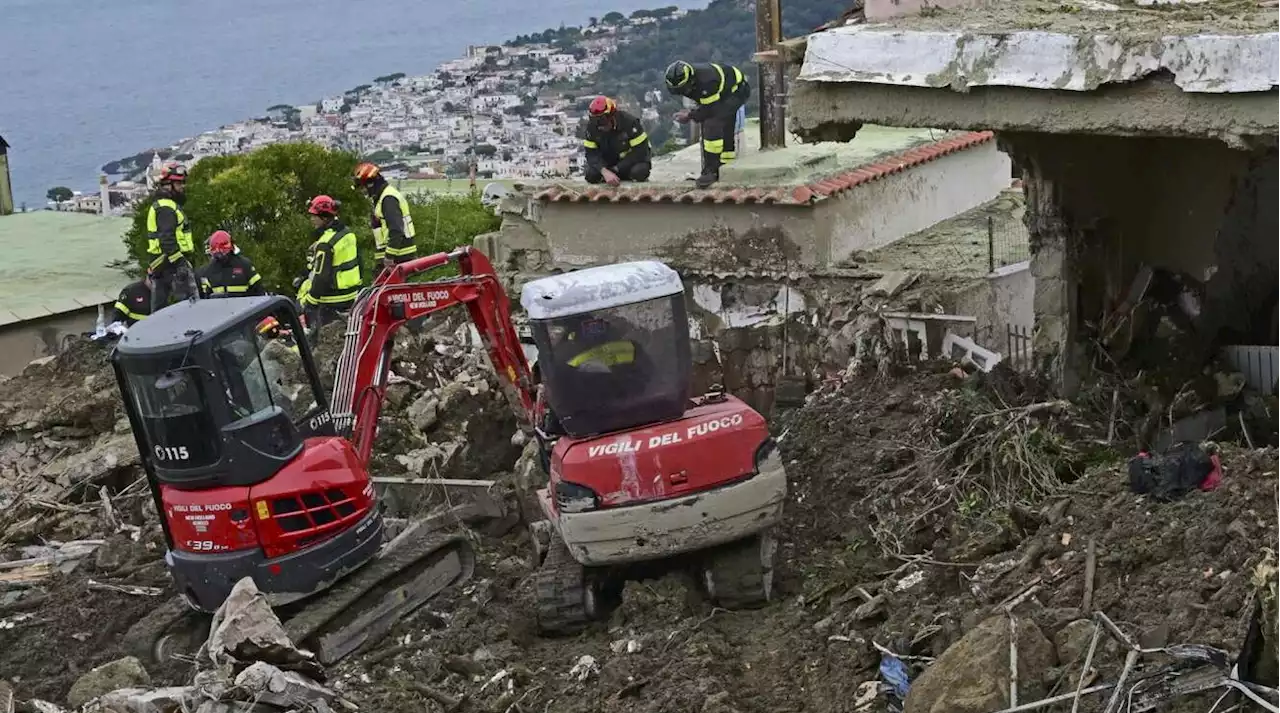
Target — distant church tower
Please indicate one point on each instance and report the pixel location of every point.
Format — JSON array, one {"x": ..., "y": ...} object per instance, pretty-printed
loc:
[{"x": 6, "y": 184}]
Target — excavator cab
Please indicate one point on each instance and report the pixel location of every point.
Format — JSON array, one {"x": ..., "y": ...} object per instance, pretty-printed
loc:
[
  {"x": 210, "y": 396},
  {"x": 612, "y": 346}
]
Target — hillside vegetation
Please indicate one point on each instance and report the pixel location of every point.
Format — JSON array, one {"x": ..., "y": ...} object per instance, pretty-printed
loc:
[{"x": 723, "y": 32}]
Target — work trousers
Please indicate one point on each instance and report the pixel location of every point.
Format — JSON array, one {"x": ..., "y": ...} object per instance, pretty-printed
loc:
[
  {"x": 629, "y": 168},
  {"x": 319, "y": 315},
  {"x": 176, "y": 280},
  {"x": 719, "y": 136}
]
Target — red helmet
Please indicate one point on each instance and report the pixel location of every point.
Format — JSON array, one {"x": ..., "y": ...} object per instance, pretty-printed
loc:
[
  {"x": 365, "y": 174},
  {"x": 219, "y": 244},
  {"x": 173, "y": 173},
  {"x": 602, "y": 106},
  {"x": 322, "y": 205}
]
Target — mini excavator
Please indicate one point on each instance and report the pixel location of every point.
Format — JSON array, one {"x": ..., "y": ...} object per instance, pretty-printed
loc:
[{"x": 253, "y": 482}]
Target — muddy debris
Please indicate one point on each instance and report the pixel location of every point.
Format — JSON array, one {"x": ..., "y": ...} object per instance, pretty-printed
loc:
[{"x": 925, "y": 510}]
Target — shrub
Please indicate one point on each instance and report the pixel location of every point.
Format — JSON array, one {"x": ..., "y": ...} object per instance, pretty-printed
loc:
[{"x": 261, "y": 199}]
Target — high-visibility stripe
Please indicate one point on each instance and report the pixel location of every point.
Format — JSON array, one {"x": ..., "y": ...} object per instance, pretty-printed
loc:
[
  {"x": 222, "y": 289},
  {"x": 610, "y": 354},
  {"x": 398, "y": 252},
  {"x": 255, "y": 279},
  {"x": 182, "y": 232},
  {"x": 715, "y": 97},
  {"x": 643, "y": 137},
  {"x": 336, "y": 299},
  {"x": 715, "y": 147},
  {"x": 588, "y": 143},
  {"x": 727, "y": 156},
  {"x": 124, "y": 309}
]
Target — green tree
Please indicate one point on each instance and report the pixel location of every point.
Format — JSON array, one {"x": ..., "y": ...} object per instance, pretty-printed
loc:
[
  {"x": 613, "y": 18},
  {"x": 59, "y": 194},
  {"x": 261, "y": 199},
  {"x": 380, "y": 156}
]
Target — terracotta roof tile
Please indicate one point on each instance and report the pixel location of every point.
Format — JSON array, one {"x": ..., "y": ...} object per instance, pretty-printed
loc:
[{"x": 806, "y": 194}]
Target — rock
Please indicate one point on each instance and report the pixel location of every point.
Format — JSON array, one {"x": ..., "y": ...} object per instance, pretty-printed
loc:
[
  {"x": 972, "y": 676},
  {"x": 264, "y": 683},
  {"x": 6, "y": 698},
  {"x": 142, "y": 700},
  {"x": 115, "y": 553},
  {"x": 892, "y": 282},
  {"x": 718, "y": 703},
  {"x": 246, "y": 629},
  {"x": 397, "y": 394},
  {"x": 424, "y": 412},
  {"x": 121, "y": 673},
  {"x": 1073, "y": 641}
]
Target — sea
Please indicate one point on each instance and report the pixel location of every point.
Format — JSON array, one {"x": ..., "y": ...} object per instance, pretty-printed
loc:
[{"x": 85, "y": 82}]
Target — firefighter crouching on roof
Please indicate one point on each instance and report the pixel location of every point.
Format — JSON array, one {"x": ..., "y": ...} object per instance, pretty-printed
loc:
[
  {"x": 720, "y": 90},
  {"x": 331, "y": 286},
  {"x": 169, "y": 240},
  {"x": 392, "y": 223},
  {"x": 616, "y": 144},
  {"x": 228, "y": 274},
  {"x": 134, "y": 303}
]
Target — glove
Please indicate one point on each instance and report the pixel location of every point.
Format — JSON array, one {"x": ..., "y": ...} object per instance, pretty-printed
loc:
[
  {"x": 297, "y": 281},
  {"x": 374, "y": 222}
]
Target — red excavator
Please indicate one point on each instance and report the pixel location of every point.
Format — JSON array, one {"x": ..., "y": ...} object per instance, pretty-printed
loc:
[{"x": 252, "y": 481}]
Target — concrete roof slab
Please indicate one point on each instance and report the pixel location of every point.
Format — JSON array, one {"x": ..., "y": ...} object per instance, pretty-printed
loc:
[{"x": 1034, "y": 59}]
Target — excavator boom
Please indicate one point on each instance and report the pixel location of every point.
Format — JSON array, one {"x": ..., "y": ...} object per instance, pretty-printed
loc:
[{"x": 392, "y": 301}]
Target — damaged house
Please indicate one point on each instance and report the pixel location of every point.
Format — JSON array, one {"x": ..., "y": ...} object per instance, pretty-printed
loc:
[{"x": 1145, "y": 133}]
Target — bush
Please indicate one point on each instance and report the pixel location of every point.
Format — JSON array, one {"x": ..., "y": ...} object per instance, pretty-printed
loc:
[{"x": 261, "y": 199}]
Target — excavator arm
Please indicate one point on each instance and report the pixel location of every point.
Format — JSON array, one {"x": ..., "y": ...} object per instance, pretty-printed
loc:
[{"x": 381, "y": 310}]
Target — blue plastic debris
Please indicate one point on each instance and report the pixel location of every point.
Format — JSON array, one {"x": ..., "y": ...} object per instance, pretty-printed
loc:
[{"x": 894, "y": 673}]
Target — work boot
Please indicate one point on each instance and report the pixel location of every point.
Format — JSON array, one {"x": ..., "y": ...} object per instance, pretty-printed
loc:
[{"x": 710, "y": 170}]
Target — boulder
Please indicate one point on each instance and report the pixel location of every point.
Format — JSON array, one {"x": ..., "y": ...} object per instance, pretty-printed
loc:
[
  {"x": 424, "y": 412},
  {"x": 142, "y": 700},
  {"x": 246, "y": 629},
  {"x": 264, "y": 683},
  {"x": 1072, "y": 643},
  {"x": 972, "y": 676},
  {"x": 121, "y": 673}
]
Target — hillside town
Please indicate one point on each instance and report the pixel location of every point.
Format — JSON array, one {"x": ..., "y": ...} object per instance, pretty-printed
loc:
[{"x": 516, "y": 106}]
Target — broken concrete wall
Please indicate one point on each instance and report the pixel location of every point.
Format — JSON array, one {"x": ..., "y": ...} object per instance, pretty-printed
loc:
[
  {"x": 20, "y": 342},
  {"x": 1001, "y": 301},
  {"x": 710, "y": 236},
  {"x": 903, "y": 203},
  {"x": 1100, "y": 207}
]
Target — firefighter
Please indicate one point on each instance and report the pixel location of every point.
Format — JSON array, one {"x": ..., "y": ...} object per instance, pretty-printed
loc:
[
  {"x": 720, "y": 90},
  {"x": 392, "y": 223},
  {"x": 134, "y": 303},
  {"x": 169, "y": 240},
  {"x": 616, "y": 144},
  {"x": 228, "y": 274},
  {"x": 330, "y": 288}
]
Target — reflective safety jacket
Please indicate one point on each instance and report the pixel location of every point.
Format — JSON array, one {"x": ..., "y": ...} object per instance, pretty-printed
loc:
[
  {"x": 714, "y": 84},
  {"x": 608, "y": 142},
  {"x": 133, "y": 304},
  {"x": 234, "y": 276},
  {"x": 613, "y": 353},
  {"x": 335, "y": 268},
  {"x": 393, "y": 232},
  {"x": 168, "y": 233}
]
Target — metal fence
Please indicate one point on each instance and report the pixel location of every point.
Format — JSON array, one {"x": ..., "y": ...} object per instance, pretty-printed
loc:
[
  {"x": 1017, "y": 352},
  {"x": 1007, "y": 242}
]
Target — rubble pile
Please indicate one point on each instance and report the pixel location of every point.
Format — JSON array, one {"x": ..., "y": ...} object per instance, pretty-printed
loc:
[{"x": 934, "y": 517}]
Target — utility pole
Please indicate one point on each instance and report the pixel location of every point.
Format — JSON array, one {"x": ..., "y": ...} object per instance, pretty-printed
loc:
[{"x": 773, "y": 120}]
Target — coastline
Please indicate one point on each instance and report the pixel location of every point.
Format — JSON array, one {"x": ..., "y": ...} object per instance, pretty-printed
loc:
[{"x": 518, "y": 112}]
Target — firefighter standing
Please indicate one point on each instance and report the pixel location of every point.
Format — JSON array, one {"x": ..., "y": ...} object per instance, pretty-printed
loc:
[
  {"x": 134, "y": 303},
  {"x": 392, "y": 223},
  {"x": 616, "y": 144},
  {"x": 331, "y": 287},
  {"x": 169, "y": 240},
  {"x": 720, "y": 90},
  {"x": 228, "y": 274}
]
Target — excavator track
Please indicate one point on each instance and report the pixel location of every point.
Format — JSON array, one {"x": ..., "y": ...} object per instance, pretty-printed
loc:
[
  {"x": 740, "y": 575},
  {"x": 566, "y": 601},
  {"x": 363, "y": 607}
]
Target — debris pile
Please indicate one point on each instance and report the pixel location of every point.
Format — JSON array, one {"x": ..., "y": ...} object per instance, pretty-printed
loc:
[{"x": 940, "y": 527}]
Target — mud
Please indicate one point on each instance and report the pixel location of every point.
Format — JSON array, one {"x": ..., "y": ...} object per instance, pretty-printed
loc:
[{"x": 855, "y": 521}]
